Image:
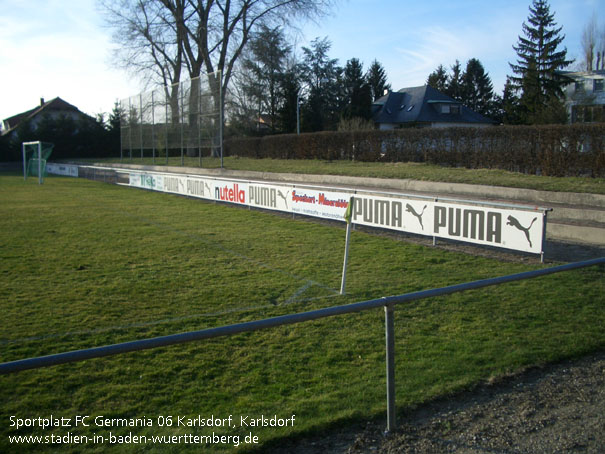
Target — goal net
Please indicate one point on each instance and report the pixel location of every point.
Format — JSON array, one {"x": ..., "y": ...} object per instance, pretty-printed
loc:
[{"x": 35, "y": 155}]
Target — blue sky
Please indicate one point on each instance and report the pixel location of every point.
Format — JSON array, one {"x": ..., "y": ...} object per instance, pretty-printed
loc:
[{"x": 52, "y": 48}]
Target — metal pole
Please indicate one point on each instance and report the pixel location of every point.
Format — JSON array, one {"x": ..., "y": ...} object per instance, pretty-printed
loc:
[
  {"x": 348, "y": 218},
  {"x": 544, "y": 214},
  {"x": 40, "y": 181},
  {"x": 153, "y": 128},
  {"x": 181, "y": 119},
  {"x": 141, "y": 112},
  {"x": 221, "y": 114},
  {"x": 199, "y": 119},
  {"x": 130, "y": 124},
  {"x": 24, "y": 163},
  {"x": 390, "y": 363},
  {"x": 297, "y": 113},
  {"x": 166, "y": 130},
  {"x": 121, "y": 128},
  {"x": 346, "y": 259}
]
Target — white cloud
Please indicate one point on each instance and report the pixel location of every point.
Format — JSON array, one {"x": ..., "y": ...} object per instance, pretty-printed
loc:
[{"x": 52, "y": 49}]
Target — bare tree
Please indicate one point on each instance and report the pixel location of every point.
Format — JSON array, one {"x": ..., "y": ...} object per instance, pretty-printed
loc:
[
  {"x": 589, "y": 42},
  {"x": 160, "y": 37},
  {"x": 149, "y": 44},
  {"x": 601, "y": 50}
]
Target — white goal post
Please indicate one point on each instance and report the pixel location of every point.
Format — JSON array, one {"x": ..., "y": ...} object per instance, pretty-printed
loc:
[{"x": 35, "y": 155}]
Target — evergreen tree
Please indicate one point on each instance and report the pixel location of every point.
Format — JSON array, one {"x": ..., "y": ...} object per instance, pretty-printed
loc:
[
  {"x": 358, "y": 94},
  {"x": 438, "y": 79},
  {"x": 477, "y": 88},
  {"x": 289, "y": 91},
  {"x": 473, "y": 87},
  {"x": 323, "y": 78},
  {"x": 538, "y": 64},
  {"x": 454, "y": 84},
  {"x": 377, "y": 79},
  {"x": 261, "y": 74},
  {"x": 115, "y": 121},
  {"x": 510, "y": 104}
]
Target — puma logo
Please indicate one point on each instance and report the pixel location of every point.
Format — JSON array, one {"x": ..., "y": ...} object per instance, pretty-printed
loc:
[
  {"x": 515, "y": 223},
  {"x": 285, "y": 197},
  {"x": 410, "y": 209}
]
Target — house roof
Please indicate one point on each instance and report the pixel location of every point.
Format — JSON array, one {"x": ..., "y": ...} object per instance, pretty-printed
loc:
[
  {"x": 56, "y": 104},
  {"x": 421, "y": 105}
]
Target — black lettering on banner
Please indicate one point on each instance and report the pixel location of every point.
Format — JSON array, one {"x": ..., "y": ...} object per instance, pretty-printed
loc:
[
  {"x": 475, "y": 220},
  {"x": 469, "y": 224},
  {"x": 494, "y": 227}
]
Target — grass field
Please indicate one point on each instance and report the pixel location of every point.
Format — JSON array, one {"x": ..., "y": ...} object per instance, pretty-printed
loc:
[
  {"x": 401, "y": 170},
  {"x": 86, "y": 264}
]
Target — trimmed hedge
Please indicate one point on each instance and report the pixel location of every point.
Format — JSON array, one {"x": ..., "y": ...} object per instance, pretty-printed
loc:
[{"x": 555, "y": 150}]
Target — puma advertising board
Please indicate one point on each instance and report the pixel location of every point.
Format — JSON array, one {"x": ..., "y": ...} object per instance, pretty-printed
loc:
[{"x": 520, "y": 229}]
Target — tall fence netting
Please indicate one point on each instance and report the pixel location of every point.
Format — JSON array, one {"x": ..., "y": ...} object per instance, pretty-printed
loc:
[{"x": 182, "y": 120}]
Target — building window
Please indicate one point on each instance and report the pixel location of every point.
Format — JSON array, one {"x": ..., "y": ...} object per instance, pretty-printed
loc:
[
  {"x": 598, "y": 84},
  {"x": 450, "y": 109},
  {"x": 580, "y": 85},
  {"x": 588, "y": 114}
]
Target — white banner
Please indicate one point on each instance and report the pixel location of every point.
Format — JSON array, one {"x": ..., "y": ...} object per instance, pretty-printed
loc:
[
  {"x": 325, "y": 204},
  {"x": 520, "y": 229},
  {"x": 62, "y": 169}
]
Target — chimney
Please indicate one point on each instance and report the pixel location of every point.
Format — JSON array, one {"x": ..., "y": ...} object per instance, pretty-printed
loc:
[{"x": 41, "y": 101}]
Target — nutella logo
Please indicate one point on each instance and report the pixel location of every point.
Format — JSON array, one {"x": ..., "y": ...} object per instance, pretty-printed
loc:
[{"x": 230, "y": 194}]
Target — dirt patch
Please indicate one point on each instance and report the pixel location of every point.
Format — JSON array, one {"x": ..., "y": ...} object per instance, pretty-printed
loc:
[{"x": 558, "y": 409}]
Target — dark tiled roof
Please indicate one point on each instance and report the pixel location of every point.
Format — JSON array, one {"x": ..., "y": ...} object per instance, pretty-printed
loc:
[
  {"x": 421, "y": 105},
  {"x": 56, "y": 104}
]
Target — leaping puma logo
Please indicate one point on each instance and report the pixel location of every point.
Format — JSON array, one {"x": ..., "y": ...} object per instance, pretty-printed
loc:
[
  {"x": 515, "y": 223},
  {"x": 285, "y": 197},
  {"x": 410, "y": 209}
]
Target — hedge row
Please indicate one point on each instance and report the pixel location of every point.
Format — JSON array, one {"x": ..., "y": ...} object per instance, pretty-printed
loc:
[{"x": 555, "y": 150}]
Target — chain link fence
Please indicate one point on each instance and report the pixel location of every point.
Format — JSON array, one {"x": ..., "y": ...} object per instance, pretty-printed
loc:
[{"x": 182, "y": 120}]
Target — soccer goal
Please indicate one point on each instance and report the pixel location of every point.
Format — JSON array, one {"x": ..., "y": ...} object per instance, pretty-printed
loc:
[{"x": 35, "y": 155}]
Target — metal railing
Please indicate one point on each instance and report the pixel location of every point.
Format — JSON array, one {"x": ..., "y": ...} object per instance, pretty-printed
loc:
[{"x": 387, "y": 302}]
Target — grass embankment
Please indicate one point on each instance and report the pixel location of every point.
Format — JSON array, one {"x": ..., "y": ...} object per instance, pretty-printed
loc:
[
  {"x": 399, "y": 170},
  {"x": 85, "y": 264}
]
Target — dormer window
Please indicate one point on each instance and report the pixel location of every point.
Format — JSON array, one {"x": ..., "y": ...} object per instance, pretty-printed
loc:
[{"x": 450, "y": 109}]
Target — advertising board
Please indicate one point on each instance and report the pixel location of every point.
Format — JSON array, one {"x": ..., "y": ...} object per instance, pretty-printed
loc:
[{"x": 520, "y": 229}]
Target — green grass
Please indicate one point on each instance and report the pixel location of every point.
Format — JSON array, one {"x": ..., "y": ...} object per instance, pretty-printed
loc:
[
  {"x": 86, "y": 264},
  {"x": 399, "y": 170}
]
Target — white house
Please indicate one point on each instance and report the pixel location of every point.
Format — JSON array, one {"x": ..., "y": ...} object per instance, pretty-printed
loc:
[{"x": 585, "y": 96}]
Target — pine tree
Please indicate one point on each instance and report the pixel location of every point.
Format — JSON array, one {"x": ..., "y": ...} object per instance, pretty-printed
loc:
[
  {"x": 510, "y": 104},
  {"x": 377, "y": 78},
  {"x": 438, "y": 79},
  {"x": 289, "y": 89},
  {"x": 454, "y": 84},
  {"x": 262, "y": 67},
  {"x": 358, "y": 95},
  {"x": 477, "y": 88},
  {"x": 322, "y": 76},
  {"x": 538, "y": 64}
]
